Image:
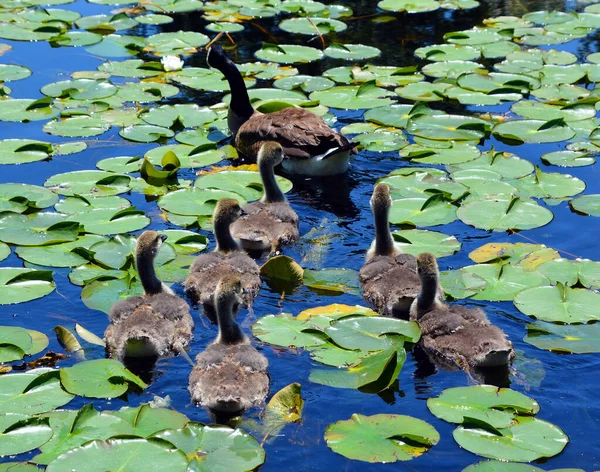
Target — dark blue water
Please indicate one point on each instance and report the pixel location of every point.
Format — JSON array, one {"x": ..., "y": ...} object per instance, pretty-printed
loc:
[{"x": 568, "y": 388}]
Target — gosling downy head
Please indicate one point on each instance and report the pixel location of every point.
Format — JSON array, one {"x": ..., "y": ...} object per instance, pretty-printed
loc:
[
  {"x": 429, "y": 297},
  {"x": 227, "y": 211},
  {"x": 381, "y": 200},
  {"x": 148, "y": 244},
  {"x": 271, "y": 154},
  {"x": 427, "y": 268}
]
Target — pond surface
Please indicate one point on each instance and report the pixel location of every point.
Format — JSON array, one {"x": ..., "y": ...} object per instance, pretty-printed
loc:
[{"x": 338, "y": 210}]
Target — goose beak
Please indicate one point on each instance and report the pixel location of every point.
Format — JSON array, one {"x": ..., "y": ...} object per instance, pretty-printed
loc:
[
  {"x": 243, "y": 212},
  {"x": 286, "y": 157},
  {"x": 163, "y": 237}
]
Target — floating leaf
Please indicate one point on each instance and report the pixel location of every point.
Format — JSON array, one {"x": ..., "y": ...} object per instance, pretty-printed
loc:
[
  {"x": 31, "y": 393},
  {"x": 336, "y": 281},
  {"x": 504, "y": 281},
  {"x": 24, "y": 437},
  {"x": 68, "y": 254},
  {"x": 381, "y": 438},
  {"x": 495, "y": 406},
  {"x": 448, "y": 127},
  {"x": 559, "y": 304},
  {"x": 22, "y": 285},
  {"x": 431, "y": 211},
  {"x": 586, "y": 205},
  {"x": 416, "y": 241},
  {"x": 368, "y": 332},
  {"x": 533, "y": 131},
  {"x": 578, "y": 339},
  {"x": 351, "y": 51},
  {"x": 353, "y": 97},
  {"x": 100, "y": 378},
  {"x": 286, "y": 330},
  {"x": 525, "y": 255},
  {"x": 288, "y": 53}
]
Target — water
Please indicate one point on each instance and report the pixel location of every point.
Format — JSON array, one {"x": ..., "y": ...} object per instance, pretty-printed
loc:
[{"x": 567, "y": 390}]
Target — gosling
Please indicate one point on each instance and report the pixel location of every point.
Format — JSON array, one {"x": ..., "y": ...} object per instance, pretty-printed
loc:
[
  {"x": 228, "y": 258},
  {"x": 230, "y": 375},
  {"x": 156, "y": 324},
  {"x": 456, "y": 334},
  {"x": 388, "y": 279},
  {"x": 270, "y": 222}
]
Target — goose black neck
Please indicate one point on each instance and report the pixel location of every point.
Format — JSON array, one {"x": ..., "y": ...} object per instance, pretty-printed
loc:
[
  {"x": 240, "y": 101},
  {"x": 145, "y": 269},
  {"x": 384, "y": 245},
  {"x": 225, "y": 242},
  {"x": 272, "y": 193},
  {"x": 229, "y": 331},
  {"x": 427, "y": 298}
]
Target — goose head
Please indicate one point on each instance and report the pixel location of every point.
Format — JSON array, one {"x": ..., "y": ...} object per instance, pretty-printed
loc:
[
  {"x": 147, "y": 247},
  {"x": 427, "y": 268},
  {"x": 149, "y": 243},
  {"x": 229, "y": 289},
  {"x": 226, "y": 212},
  {"x": 381, "y": 201},
  {"x": 217, "y": 58},
  {"x": 228, "y": 296},
  {"x": 270, "y": 154}
]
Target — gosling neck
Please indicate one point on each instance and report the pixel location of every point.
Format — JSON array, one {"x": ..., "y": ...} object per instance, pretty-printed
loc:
[
  {"x": 428, "y": 297},
  {"x": 145, "y": 269},
  {"x": 229, "y": 331},
  {"x": 240, "y": 108},
  {"x": 384, "y": 245},
  {"x": 272, "y": 192},
  {"x": 225, "y": 241}
]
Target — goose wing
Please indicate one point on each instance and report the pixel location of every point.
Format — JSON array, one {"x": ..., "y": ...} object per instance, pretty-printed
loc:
[{"x": 301, "y": 133}]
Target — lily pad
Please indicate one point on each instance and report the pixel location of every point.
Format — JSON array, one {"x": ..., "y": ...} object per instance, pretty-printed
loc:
[
  {"x": 352, "y": 97},
  {"x": 100, "y": 378},
  {"x": 18, "y": 198},
  {"x": 381, "y": 438},
  {"x": 70, "y": 254},
  {"x": 568, "y": 158},
  {"x": 77, "y": 127},
  {"x": 245, "y": 183},
  {"x": 336, "y": 281},
  {"x": 431, "y": 211},
  {"x": 22, "y": 151},
  {"x": 288, "y": 53},
  {"x": 586, "y": 205},
  {"x": 448, "y": 127},
  {"x": 506, "y": 164},
  {"x": 577, "y": 339},
  {"x": 558, "y": 303},
  {"x": 89, "y": 183},
  {"x": 368, "y": 332},
  {"x": 24, "y": 437},
  {"x": 37, "y": 229},
  {"x": 533, "y": 131},
  {"x": 416, "y": 241},
  {"x": 312, "y": 26},
  {"x": 504, "y": 281},
  {"x": 495, "y": 406},
  {"x": 525, "y": 255},
  {"x": 286, "y": 330},
  {"x": 175, "y": 43},
  {"x": 351, "y": 52}
]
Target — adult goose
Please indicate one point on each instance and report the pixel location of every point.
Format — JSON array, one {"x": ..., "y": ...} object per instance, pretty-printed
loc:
[
  {"x": 270, "y": 222},
  {"x": 456, "y": 334},
  {"x": 388, "y": 278},
  {"x": 228, "y": 258},
  {"x": 154, "y": 325},
  {"x": 312, "y": 147},
  {"x": 230, "y": 375}
]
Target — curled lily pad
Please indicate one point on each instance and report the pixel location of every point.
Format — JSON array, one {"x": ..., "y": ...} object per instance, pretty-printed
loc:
[
  {"x": 100, "y": 378},
  {"x": 533, "y": 131},
  {"x": 381, "y": 438},
  {"x": 22, "y": 151},
  {"x": 25, "y": 436},
  {"x": 558, "y": 303},
  {"x": 503, "y": 212},
  {"x": 70, "y": 254},
  {"x": 16, "y": 342},
  {"x": 568, "y": 158},
  {"x": 80, "y": 89},
  {"x": 188, "y": 156},
  {"x": 578, "y": 339},
  {"x": 37, "y": 229}
]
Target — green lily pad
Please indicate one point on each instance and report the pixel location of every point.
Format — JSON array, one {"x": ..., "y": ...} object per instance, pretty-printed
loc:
[
  {"x": 36, "y": 229},
  {"x": 381, "y": 141},
  {"x": 578, "y": 339},
  {"x": 312, "y": 26},
  {"x": 111, "y": 221},
  {"x": 473, "y": 37},
  {"x": 24, "y": 437},
  {"x": 542, "y": 111},
  {"x": 461, "y": 284},
  {"x": 22, "y": 151},
  {"x": 497, "y": 466},
  {"x": 568, "y": 158},
  {"x": 508, "y": 165},
  {"x": 70, "y": 254},
  {"x": 88, "y": 183},
  {"x": 495, "y": 406},
  {"x": 586, "y": 205},
  {"x": 286, "y": 330},
  {"x": 245, "y": 183},
  {"x": 77, "y": 127},
  {"x": 450, "y": 69},
  {"x": 549, "y": 185},
  {"x": 409, "y": 6},
  {"x": 146, "y": 91},
  {"x": 215, "y": 447},
  {"x": 176, "y": 43},
  {"x": 448, "y": 52},
  {"x": 189, "y": 156},
  {"x": 423, "y": 91},
  {"x": 455, "y": 153},
  {"x": 77, "y": 38},
  {"x": 195, "y": 202},
  {"x": 431, "y": 211},
  {"x": 416, "y": 241},
  {"x": 146, "y": 133},
  {"x": 351, "y": 52},
  {"x": 106, "y": 24},
  {"x": 80, "y": 89},
  {"x": 189, "y": 115},
  {"x": 135, "y": 68},
  {"x": 4, "y": 251},
  {"x": 100, "y": 378},
  {"x": 31, "y": 393},
  {"x": 336, "y": 281},
  {"x": 353, "y": 97},
  {"x": 367, "y": 332},
  {"x": 525, "y": 441},
  {"x": 10, "y": 72},
  {"x": 306, "y": 82},
  {"x": 503, "y": 212},
  {"x": 448, "y": 127},
  {"x": 124, "y": 454},
  {"x": 288, "y": 53},
  {"x": 525, "y": 255},
  {"x": 154, "y": 19},
  {"x": 533, "y": 131},
  {"x": 381, "y": 438},
  {"x": 558, "y": 303},
  {"x": 18, "y": 198},
  {"x": 16, "y": 342},
  {"x": 423, "y": 184},
  {"x": 504, "y": 281}
]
